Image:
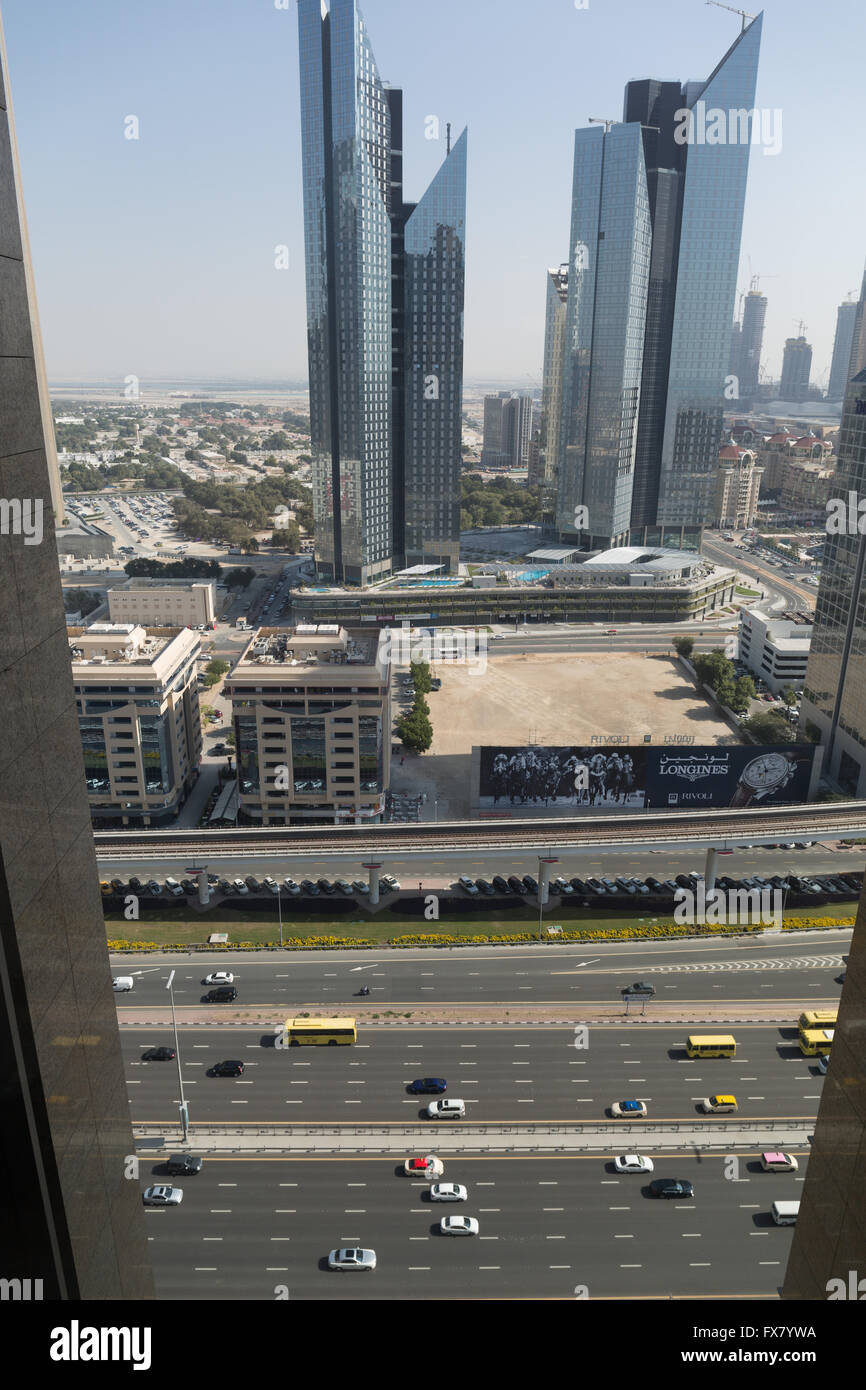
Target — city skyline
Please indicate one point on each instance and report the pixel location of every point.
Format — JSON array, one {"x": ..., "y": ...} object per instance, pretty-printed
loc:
[{"x": 150, "y": 276}]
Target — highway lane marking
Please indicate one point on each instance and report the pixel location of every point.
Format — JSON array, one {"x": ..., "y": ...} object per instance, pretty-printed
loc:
[
  {"x": 285, "y": 1211},
  {"x": 700, "y": 1264},
  {"x": 205, "y": 1269},
  {"x": 220, "y": 1210},
  {"x": 418, "y": 1268},
  {"x": 624, "y": 1237}
]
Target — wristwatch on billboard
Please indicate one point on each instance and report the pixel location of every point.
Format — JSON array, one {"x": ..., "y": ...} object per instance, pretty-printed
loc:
[{"x": 769, "y": 772}]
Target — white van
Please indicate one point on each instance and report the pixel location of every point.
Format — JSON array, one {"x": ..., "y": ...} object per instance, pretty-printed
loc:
[
  {"x": 786, "y": 1213},
  {"x": 122, "y": 983}
]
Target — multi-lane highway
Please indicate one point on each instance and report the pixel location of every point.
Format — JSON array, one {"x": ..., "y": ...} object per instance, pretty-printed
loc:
[{"x": 260, "y": 1218}]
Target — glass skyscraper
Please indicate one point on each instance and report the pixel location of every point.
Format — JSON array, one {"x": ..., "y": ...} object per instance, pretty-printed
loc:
[
  {"x": 845, "y": 316},
  {"x": 641, "y": 455},
  {"x": 384, "y": 313}
]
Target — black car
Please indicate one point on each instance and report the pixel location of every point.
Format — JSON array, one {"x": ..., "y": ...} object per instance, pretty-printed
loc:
[
  {"x": 311, "y": 888},
  {"x": 135, "y": 884},
  {"x": 227, "y": 1069},
  {"x": 253, "y": 884},
  {"x": 654, "y": 885},
  {"x": 640, "y": 987},
  {"x": 158, "y": 1054},
  {"x": 118, "y": 885},
  {"x": 187, "y": 885},
  {"x": 579, "y": 886},
  {"x": 671, "y": 1187},
  {"x": 484, "y": 887},
  {"x": 383, "y": 888},
  {"x": 683, "y": 881},
  {"x": 854, "y": 881},
  {"x": 225, "y": 994},
  {"x": 326, "y": 886},
  {"x": 517, "y": 885},
  {"x": 427, "y": 1086},
  {"x": 531, "y": 885},
  {"x": 183, "y": 1165},
  {"x": 500, "y": 884}
]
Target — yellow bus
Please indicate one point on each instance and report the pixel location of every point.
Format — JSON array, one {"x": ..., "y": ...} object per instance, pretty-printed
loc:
[
  {"x": 318, "y": 1031},
  {"x": 711, "y": 1045},
  {"x": 816, "y": 1042},
  {"x": 817, "y": 1018}
]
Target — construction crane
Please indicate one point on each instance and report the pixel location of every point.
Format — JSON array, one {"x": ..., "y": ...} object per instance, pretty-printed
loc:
[
  {"x": 741, "y": 13},
  {"x": 602, "y": 120},
  {"x": 801, "y": 329}
]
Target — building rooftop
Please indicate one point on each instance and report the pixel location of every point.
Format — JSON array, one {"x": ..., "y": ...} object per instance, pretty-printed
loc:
[
  {"x": 126, "y": 644},
  {"x": 310, "y": 646}
]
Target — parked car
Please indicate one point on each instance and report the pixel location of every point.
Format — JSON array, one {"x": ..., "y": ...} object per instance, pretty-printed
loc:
[
  {"x": 154, "y": 888},
  {"x": 118, "y": 885},
  {"x": 596, "y": 886},
  {"x": 500, "y": 884},
  {"x": 530, "y": 883},
  {"x": 239, "y": 886},
  {"x": 326, "y": 886},
  {"x": 578, "y": 886},
  {"x": 517, "y": 885},
  {"x": 561, "y": 885},
  {"x": 484, "y": 887},
  {"x": 310, "y": 888},
  {"x": 272, "y": 886},
  {"x": 469, "y": 885},
  {"x": 392, "y": 882},
  {"x": 174, "y": 887},
  {"x": 360, "y": 885},
  {"x": 655, "y": 885},
  {"x": 253, "y": 884},
  {"x": 610, "y": 886},
  {"x": 626, "y": 885},
  {"x": 344, "y": 886},
  {"x": 225, "y": 886}
]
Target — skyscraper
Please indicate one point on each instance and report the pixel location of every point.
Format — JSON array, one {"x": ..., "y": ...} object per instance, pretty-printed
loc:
[
  {"x": 556, "y": 304},
  {"x": 754, "y": 314},
  {"x": 507, "y": 430},
  {"x": 845, "y": 316},
  {"x": 796, "y": 368},
  {"x": 384, "y": 313},
  {"x": 655, "y": 249},
  {"x": 71, "y": 1216}
]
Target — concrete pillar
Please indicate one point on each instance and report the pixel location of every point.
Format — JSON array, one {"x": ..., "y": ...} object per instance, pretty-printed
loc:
[
  {"x": 203, "y": 887},
  {"x": 710, "y": 869},
  {"x": 544, "y": 868},
  {"x": 374, "y": 882}
]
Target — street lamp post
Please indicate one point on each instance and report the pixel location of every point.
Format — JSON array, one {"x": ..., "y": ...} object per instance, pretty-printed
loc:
[
  {"x": 544, "y": 863},
  {"x": 184, "y": 1110},
  {"x": 280, "y": 910}
]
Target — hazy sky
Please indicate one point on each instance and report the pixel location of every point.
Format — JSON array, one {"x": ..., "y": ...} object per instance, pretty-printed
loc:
[{"x": 156, "y": 256}]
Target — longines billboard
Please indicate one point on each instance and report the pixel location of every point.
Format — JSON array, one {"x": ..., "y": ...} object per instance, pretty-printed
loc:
[{"x": 573, "y": 779}]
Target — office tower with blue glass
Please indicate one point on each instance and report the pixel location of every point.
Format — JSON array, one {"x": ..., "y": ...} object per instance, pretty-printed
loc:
[
  {"x": 845, "y": 316},
  {"x": 384, "y": 315},
  {"x": 657, "y": 212}
]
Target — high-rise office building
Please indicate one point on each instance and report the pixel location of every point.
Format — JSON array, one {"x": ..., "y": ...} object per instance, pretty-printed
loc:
[
  {"x": 72, "y": 1218},
  {"x": 654, "y": 279},
  {"x": 845, "y": 317},
  {"x": 384, "y": 314},
  {"x": 796, "y": 368},
  {"x": 751, "y": 343},
  {"x": 556, "y": 303},
  {"x": 507, "y": 430}
]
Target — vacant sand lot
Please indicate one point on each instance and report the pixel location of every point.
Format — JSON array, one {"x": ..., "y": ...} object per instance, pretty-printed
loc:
[{"x": 549, "y": 698}]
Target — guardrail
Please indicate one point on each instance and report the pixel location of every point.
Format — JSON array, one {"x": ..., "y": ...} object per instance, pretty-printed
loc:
[{"x": 306, "y": 1131}]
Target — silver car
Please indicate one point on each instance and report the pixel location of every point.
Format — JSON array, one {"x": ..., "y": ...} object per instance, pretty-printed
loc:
[
  {"x": 162, "y": 1196},
  {"x": 352, "y": 1258}
]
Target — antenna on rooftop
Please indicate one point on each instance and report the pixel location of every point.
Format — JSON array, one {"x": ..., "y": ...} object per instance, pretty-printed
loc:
[{"x": 447, "y": 138}]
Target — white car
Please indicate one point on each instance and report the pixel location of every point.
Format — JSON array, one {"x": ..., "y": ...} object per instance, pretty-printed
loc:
[
  {"x": 239, "y": 886},
  {"x": 448, "y": 1192},
  {"x": 427, "y": 1167},
  {"x": 633, "y": 1163},
  {"x": 220, "y": 977},
  {"x": 628, "y": 1110},
  {"x": 122, "y": 983},
  {"x": 773, "y": 1161},
  {"x": 272, "y": 886},
  {"x": 162, "y": 1196},
  {"x": 446, "y": 1110},
  {"x": 459, "y": 1226},
  {"x": 174, "y": 887},
  {"x": 469, "y": 885},
  {"x": 292, "y": 887},
  {"x": 352, "y": 1259},
  {"x": 391, "y": 882}
]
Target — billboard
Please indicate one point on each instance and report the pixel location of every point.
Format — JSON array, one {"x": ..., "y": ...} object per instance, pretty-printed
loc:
[{"x": 575, "y": 779}]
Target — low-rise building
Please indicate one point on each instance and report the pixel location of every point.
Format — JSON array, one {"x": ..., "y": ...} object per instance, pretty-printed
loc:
[
  {"x": 164, "y": 603},
  {"x": 311, "y": 708},
  {"x": 775, "y": 650},
  {"x": 138, "y": 713}
]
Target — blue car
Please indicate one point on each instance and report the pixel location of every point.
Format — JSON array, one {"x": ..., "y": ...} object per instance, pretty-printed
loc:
[{"x": 428, "y": 1086}]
